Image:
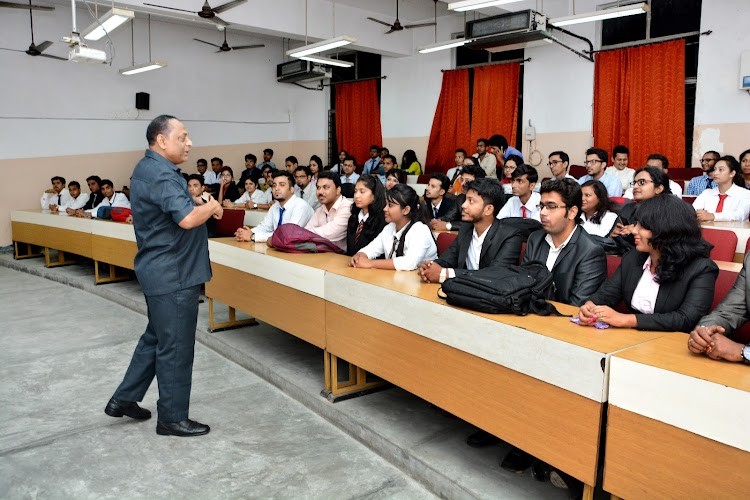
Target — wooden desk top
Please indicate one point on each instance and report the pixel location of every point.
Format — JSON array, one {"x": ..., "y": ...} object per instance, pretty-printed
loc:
[{"x": 47, "y": 218}]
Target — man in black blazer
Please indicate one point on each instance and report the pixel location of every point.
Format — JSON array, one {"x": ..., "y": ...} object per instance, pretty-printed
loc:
[
  {"x": 452, "y": 222},
  {"x": 577, "y": 263},
  {"x": 482, "y": 240},
  {"x": 436, "y": 205}
]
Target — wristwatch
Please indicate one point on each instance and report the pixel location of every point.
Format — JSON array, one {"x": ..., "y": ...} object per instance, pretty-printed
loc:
[
  {"x": 746, "y": 354},
  {"x": 448, "y": 226},
  {"x": 255, "y": 205}
]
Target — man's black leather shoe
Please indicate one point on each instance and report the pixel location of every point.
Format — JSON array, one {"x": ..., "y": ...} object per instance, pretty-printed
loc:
[
  {"x": 517, "y": 461},
  {"x": 481, "y": 438},
  {"x": 185, "y": 428},
  {"x": 540, "y": 470},
  {"x": 117, "y": 408}
]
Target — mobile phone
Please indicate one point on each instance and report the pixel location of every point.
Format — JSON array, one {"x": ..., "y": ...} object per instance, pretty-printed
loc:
[
  {"x": 623, "y": 221},
  {"x": 205, "y": 197}
]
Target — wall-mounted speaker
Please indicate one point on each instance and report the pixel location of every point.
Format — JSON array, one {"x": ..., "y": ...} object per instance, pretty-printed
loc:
[{"x": 142, "y": 100}]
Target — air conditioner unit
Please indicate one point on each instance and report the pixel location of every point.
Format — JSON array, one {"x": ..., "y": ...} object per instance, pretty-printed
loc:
[
  {"x": 299, "y": 71},
  {"x": 511, "y": 31}
]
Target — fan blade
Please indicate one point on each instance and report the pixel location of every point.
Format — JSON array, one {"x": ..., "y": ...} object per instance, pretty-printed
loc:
[
  {"x": 379, "y": 21},
  {"x": 420, "y": 25},
  {"x": 229, "y": 5},
  {"x": 219, "y": 21},
  {"x": 170, "y": 8},
  {"x": 43, "y": 46},
  {"x": 390, "y": 31},
  {"x": 207, "y": 43},
  {"x": 12, "y": 5},
  {"x": 54, "y": 57},
  {"x": 257, "y": 46},
  {"x": 13, "y": 50}
]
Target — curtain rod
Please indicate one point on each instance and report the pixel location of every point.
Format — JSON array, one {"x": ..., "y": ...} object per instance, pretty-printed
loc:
[
  {"x": 356, "y": 80},
  {"x": 653, "y": 40},
  {"x": 493, "y": 63}
]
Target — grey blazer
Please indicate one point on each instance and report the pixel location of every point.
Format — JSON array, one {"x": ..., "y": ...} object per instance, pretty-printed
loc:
[{"x": 732, "y": 313}]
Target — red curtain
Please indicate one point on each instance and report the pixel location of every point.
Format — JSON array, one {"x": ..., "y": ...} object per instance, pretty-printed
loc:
[
  {"x": 358, "y": 118},
  {"x": 495, "y": 101},
  {"x": 450, "y": 127},
  {"x": 639, "y": 101}
]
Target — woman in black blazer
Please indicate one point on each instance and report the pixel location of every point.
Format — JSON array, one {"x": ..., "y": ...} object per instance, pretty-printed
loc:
[
  {"x": 369, "y": 201},
  {"x": 668, "y": 237}
]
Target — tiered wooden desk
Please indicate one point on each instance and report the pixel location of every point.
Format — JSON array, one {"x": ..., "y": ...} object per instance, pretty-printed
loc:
[
  {"x": 679, "y": 424},
  {"x": 51, "y": 232},
  {"x": 113, "y": 243}
]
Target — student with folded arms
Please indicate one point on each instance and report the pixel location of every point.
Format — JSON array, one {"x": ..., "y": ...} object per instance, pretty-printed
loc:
[
  {"x": 667, "y": 281},
  {"x": 405, "y": 241},
  {"x": 483, "y": 241},
  {"x": 367, "y": 219}
]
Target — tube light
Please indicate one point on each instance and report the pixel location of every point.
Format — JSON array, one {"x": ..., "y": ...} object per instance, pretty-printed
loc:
[
  {"x": 322, "y": 46},
  {"x": 443, "y": 45},
  {"x": 627, "y": 10},
  {"x": 328, "y": 61},
  {"x": 465, "y": 5},
  {"x": 108, "y": 23},
  {"x": 141, "y": 68}
]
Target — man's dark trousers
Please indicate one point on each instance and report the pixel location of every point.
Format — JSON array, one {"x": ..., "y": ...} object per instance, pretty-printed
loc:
[{"x": 166, "y": 350}]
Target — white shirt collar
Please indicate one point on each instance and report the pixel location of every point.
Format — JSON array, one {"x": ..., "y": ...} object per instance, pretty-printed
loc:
[{"x": 548, "y": 239}]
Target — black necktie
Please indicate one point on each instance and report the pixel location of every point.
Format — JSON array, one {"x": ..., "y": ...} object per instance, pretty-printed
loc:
[
  {"x": 359, "y": 231},
  {"x": 393, "y": 248}
]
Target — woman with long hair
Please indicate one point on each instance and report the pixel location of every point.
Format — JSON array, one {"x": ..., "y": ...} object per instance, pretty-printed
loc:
[
  {"x": 253, "y": 197},
  {"x": 228, "y": 191},
  {"x": 342, "y": 156},
  {"x": 745, "y": 166},
  {"x": 316, "y": 166},
  {"x": 410, "y": 164},
  {"x": 367, "y": 219},
  {"x": 598, "y": 216},
  {"x": 648, "y": 183},
  {"x": 405, "y": 241},
  {"x": 667, "y": 281}
]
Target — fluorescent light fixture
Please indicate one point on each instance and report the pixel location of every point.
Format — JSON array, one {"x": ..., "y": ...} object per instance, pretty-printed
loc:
[
  {"x": 315, "y": 48},
  {"x": 328, "y": 61},
  {"x": 600, "y": 15},
  {"x": 465, "y": 5},
  {"x": 443, "y": 45},
  {"x": 108, "y": 23},
  {"x": 141, "y": 68}
]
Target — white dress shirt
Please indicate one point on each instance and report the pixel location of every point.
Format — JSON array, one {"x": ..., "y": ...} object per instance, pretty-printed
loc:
[
  {"x": 645, "y": 293},
  {"x": 488, "y": 164},
  {"x": 60, "y": 199},
  {"x": 75, "y": 203},
  {"x": 418, "y": 246},
  {"x": 296, "y": 211},
  {"x": 258, "y": 196},
  {"x": 332, "y": 224},
  {"x": 512, "y": 207},
  {"x": 736, "y": 205},
  {"x": 604, "y": 228},
  {"x": 309, "y": 195},
  {"x": 675, "y": 188},
  {"x": 352, "y": 179},
  {"x": 117, "y": 200},
  {"x": 210, "y": 177},
  {"x": 625, "y": 176},
  {"x": 554, "y": 252}
]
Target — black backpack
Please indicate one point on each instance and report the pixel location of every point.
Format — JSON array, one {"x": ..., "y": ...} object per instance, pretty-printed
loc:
[{"x": 515, "y": 289}]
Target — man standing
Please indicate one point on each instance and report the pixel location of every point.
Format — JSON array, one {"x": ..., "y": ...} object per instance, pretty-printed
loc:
[
  {"x": 699, "y": 184},
  {"x": 487, "y": 161},
  {"x": 171, "y": 265},
  {"x": 330, "y": 220},
  {"x": 596, "y": 161}
]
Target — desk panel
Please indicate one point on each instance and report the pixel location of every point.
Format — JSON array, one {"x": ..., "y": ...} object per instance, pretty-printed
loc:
[
  {"x": 113, "y": 251},
  {"x": 557, "y": 426},
  {"x": 63, "y": 239}
]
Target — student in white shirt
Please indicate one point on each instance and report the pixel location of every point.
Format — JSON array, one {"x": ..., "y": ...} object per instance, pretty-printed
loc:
[
  {"x": 454, "y": 173},
  {"x": 405, "y": 241},
  {"x": 619, "y": 168},
  {"x": 337, "y": 167},
  {"x": 348, "y": 174},
  {"x": 316, "y": 167},
  {"x": 112, "y": 198},
  {"x": 525, "y": 202},
  {"x": 598, "y": 216},
  {"x": 77, "y": 199},
  {"x": 57, "y": 195},
  {"x": 729, "y": 201},
  {"x": 253, "y": 197},
  {"x": 596, "y": 163},
  {"x": 304, "y": 187},
  {"x": 288, "y": 209},
  {"x": 202, "y": 166},
  {"x": 559, "y": 165},
  {"x": 662, "y": 163},
  {"x": 487, "y": 160}
]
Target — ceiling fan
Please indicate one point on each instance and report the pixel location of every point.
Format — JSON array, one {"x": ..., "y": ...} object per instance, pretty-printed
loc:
[
  {"x": 12, "y": 5},
  {"x": 206, "y": 11},
  {"x": 36, "y": 50},
  {"x": 397, "y": 26},
  {"x": 224, "y": 47}
]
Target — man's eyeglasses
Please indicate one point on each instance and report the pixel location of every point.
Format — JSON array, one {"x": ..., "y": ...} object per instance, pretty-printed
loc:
[
  {"x": 591, "y": 162},
  {"x": 227, "y": 176},
  {"x": 709, "y": 160},
  {"x": 550, "y": 206},
  {"x": 640, "y": 182},
  {"x": 552, "y": 163}
]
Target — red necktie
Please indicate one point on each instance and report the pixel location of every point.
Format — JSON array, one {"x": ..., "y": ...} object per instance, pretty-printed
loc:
[
  {"x": 720, "y": 206},
  {"x": 359, "y": 231},
  {"x": 524, "y": 212}
]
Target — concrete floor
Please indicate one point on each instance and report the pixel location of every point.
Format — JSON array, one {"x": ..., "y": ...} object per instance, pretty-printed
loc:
[{"x": 272, "y": 434}]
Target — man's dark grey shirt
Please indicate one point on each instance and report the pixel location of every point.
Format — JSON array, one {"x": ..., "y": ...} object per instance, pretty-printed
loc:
[{"x": 169, "y": 258}]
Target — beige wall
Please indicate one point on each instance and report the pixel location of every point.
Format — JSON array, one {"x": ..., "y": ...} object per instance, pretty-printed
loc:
[
  {"x": 25, "y": 179},
  {"x": 728, "y": 138}
]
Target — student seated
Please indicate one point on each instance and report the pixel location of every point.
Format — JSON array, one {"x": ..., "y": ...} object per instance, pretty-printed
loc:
[
  {"x": 729, "y": 200},
  {"x": 699, "y": 184},
  {"x": 483, "y": 241},
  {"x": 202, "y": 166},
  {"x": 56, "y": 195},
  {"x": 596, "y": 163},
  {"x": 111, "y": 199},
  {"x": 337, "y": 168},
  {"x": 410, "y": 164},
  {"x": 348, "y": 175},
  {"x": 619, "y": 168},
  {"x": 331, "y": 218},
  {"x": 251, "y": 170},
  {"x": 228, "y": 191},
  {"x": 393, "y": 177},
  {"x": 316, "y": 166},
  {"x": 447, "y": 223},
  {"x": 487, "y": 160},
  {"x": 253, "y": 197},
  {"x": 405, "y": 241},
  {"x": 304, "y": 188},
  {"x": 291, "y": 163},
  {"x": 389, "y": 163},
  {"x": 453, "y": 173},
  {"x": 667, "y": 281},
  {"x": 745, "y": 167},
  {"x": 367, "y": 219},
  {"x": 598, "y": 215},
  {"x": 525, "y": 202},
  {"x": 196, "y": 186},
  {"x": 662, "y": 163},
  {"x": 509, "y": 166},
  {"x": 266, "y": 179},
  {"x": 649, "y": 182},
  {"x": 94, "y": 183},
  {"x": 267, "y": 155},
  {"x": 712, "y": 336},
  {"x": 77, "y": 199},
  {"x": 373, "y": 165},
  {"x": 287, "y": 209},
  {"x": 436, "y": 205},
  {"x": 559, "y": 165}
]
